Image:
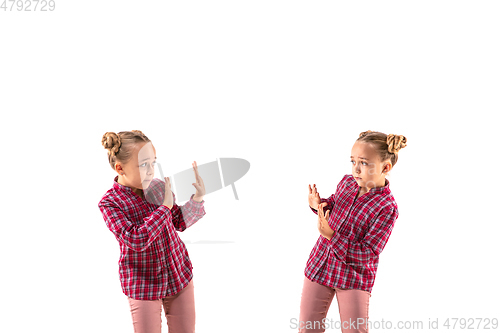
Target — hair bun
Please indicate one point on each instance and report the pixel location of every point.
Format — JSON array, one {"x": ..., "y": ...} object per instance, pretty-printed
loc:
[
  {"x": 112, "y": 142},
  {"x": 395, "y": 143}
]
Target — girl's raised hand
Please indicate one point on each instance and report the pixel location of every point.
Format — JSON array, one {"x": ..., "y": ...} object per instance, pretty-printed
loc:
[
  {"x": 323, "y": 226},
  {"x": 169, "y": 199},
  {"x": 314, "y": 199},
  {"x": 199, "y": 185}
]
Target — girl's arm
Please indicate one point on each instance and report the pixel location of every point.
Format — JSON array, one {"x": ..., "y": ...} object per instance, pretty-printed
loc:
[
  {"x": 372, "y": 244},
  {"x": 136, "y": 237},
  {"x": 188, "y": 214}
]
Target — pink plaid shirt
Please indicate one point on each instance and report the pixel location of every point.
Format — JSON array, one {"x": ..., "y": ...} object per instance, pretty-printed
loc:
[
  {"x": 154, "y": 262},
  {"x": 362, "y": 227}
]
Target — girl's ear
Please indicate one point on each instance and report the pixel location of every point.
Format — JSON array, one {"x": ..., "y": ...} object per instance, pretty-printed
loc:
[{"x": 386, "y": 168}]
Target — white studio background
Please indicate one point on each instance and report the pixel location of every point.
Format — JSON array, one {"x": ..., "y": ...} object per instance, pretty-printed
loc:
[{"x": 286, "y": 85}]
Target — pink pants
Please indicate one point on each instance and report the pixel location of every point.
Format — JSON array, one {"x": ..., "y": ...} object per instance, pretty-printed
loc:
[
  {"x": 179, "y": 310},
  {"x": 316, "y": 300}
]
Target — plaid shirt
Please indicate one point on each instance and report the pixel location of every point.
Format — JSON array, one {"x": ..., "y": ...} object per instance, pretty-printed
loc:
[
  {"x": 362, "y": 227},
  {"x": 154, "y": 262}
]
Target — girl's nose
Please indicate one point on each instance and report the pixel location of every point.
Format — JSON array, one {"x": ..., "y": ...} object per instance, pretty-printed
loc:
[{"x": 151, "y": 169}]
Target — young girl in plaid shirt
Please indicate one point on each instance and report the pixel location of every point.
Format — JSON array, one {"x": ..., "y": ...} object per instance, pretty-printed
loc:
[
  {"x": 141, "y": 212},
  {"x": 358, "y": 221}
]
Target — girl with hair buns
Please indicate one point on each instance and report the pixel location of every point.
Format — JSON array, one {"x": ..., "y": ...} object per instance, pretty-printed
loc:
[
  {"x": 141, "y": 212},
  {"x": 354, "y": 225}
]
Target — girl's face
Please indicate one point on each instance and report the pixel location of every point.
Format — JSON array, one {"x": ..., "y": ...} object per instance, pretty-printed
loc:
[
  {"x": 367, "y": 168},
  {"x": 139, "y": 171}
]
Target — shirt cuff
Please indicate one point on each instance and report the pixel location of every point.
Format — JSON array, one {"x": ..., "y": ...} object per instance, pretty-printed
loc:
[
  {"x": 163, "y": 209},
  {"x": 166, "y": 208},
  {"x": 315, "y": 210},
  {"x": 195, "y": 207},
  {"x": 158, "y": 218},
  {"x": 196, "y": 202}
]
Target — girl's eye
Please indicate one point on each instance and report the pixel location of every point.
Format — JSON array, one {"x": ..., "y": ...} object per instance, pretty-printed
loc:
[
  {"x": 144, "y": 164},
  {"x": 364, "y": 163}
]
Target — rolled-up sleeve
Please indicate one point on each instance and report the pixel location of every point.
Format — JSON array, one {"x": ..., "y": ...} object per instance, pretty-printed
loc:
[
  {"x": 188, "y": 214},
  {"x": 372, "y": 244},
  {"x": 134, "y": 236}
]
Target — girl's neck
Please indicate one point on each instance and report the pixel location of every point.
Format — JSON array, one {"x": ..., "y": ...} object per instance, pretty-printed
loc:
[
  {"x": 363, "y": 190},
  {"x": 139, "y": 192}
]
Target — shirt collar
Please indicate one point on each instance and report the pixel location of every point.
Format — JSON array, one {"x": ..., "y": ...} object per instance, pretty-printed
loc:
[
  {"x": 382, "y": 190},
  {"x": 118, "y": 186}
]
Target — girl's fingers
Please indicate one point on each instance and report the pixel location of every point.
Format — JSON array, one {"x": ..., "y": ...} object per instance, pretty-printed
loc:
[{"x": 196, "y": 173}]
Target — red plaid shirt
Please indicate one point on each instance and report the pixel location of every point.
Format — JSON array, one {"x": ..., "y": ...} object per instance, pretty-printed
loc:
[
  {"x": 362, "y": 227},
  {"x": 154, "y": 262}
]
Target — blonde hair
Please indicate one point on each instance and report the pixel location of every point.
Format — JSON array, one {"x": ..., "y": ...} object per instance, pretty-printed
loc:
[
  {"x": 120, "y": 146},
  {"x": 386, "y": 146}
]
